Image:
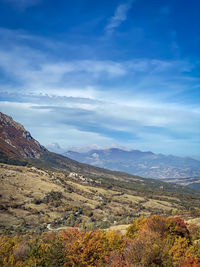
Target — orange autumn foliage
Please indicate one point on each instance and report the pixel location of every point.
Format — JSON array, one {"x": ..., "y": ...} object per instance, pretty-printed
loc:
[
  {"x": 153, "y": 241},
  {"x": 190, "y": 262},
  {"x": 90, "y": 248}
]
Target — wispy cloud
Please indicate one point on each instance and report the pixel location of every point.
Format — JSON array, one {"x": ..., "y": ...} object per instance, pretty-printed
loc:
[
  {"x": 119, "y": 16},
  {"x": 95, "y": 101},
  {"x": 34, "y": 70},
  {"x": 70, "y": 121}
]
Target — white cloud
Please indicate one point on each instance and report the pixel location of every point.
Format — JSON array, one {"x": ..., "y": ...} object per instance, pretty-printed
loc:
[
  {"x": 34, "y": 70},
  {"x": 31, "y": 71},
  {"x": 72, "y": 123},
  {"x": 119, "y": 16},
  {"x": 46, "y": 125},
  {"x": 94, "y": 67},
  {"x": 93, "y": 101}
]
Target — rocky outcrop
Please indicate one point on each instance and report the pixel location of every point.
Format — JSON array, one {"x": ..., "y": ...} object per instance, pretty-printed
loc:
[{"x": 16, "y": 141}]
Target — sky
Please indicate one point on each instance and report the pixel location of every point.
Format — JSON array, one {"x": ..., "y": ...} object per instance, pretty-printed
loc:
[{"x": 105, "y": 73}]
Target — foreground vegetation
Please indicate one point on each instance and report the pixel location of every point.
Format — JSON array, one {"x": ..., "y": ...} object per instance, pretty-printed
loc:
[{"x": 153, "y": 241}]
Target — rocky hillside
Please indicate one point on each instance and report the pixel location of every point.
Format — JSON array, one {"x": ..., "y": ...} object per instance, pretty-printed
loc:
[{"x": 16, "y": 142}]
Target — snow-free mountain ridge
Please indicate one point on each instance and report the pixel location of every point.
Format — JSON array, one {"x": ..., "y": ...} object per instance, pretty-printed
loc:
[{"x": 146, "y": 164}]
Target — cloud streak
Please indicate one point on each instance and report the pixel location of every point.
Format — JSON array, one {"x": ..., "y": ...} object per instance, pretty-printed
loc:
[
  {"x": 95, "y": 101},
  {"x": 119, "y": 16},
  {"x": 103, "y": 122},
  {"x": 34, "y": 71}
]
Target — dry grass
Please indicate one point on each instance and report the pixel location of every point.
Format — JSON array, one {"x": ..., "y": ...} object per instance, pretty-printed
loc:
[
  {"x": 158, "y": 204},
  {"x": 195, "y": 221},
  {"x": 23, "y": 191},
  {"x": 122, "y": 228}
]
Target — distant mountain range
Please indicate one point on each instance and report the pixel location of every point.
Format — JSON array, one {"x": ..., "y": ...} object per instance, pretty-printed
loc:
[
  {"x": 192, "y": 182},
  {"x": 145, "y": 164},
  {"x": 18, "y": 147}
]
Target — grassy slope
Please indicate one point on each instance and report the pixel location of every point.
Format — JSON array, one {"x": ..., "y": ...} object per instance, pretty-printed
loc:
[{"x": 28, "y": 204}]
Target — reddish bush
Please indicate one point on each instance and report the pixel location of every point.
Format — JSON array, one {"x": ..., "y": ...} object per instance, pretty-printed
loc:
[{"x": 190, "y": 262}]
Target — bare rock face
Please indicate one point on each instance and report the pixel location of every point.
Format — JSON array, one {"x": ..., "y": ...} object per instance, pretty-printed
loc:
[{"x": 16, "y": 142}]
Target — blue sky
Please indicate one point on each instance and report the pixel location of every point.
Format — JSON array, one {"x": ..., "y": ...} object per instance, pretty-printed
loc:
[{"x": 105, "y": 73}]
